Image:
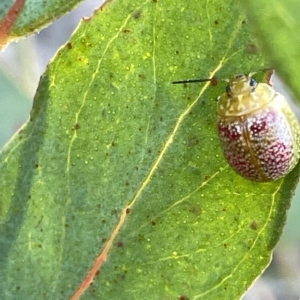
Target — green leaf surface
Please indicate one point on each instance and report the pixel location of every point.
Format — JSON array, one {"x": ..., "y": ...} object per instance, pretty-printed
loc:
[
  {"x": 36, "y": 14},
  {"x": 117, "y": 160},
  {"x": 277, "y": 27}
]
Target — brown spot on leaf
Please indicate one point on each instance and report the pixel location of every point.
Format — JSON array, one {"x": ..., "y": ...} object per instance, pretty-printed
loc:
[
  {"x": 192, "y": 141},
  {"x": 254, "y": 225},
  {"x": 251, "y": 48},
  {"x": 120, "y": 244},
  {"x": 214, "y": 81},
  {"x": 196, "y": 210},
  {"x": 114, "y": 212},
  {"x": 137, "y": 14}
]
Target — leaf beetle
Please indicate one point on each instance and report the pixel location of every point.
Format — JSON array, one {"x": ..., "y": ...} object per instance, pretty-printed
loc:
[{"x": 258, "y": 131}]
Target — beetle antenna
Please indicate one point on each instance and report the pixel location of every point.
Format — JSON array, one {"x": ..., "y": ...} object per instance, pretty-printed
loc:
[{"x": 193, "y": 80}]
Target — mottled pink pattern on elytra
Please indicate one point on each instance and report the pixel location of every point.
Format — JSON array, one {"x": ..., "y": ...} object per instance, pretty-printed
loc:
[{"x": 258, "y": 146}]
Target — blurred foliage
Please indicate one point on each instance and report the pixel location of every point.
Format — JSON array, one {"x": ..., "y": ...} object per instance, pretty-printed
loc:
[
  {"x": 276, "y": 27},
  {"x": 36, "y": 14},
  {"x": 14, "y": 108}
]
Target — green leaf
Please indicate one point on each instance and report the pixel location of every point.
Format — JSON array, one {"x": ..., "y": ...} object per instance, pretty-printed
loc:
[
  {"x": 35, "y": 14},
  {"x": 277, "y": 27},
  {"x": 118, "y": 163}
]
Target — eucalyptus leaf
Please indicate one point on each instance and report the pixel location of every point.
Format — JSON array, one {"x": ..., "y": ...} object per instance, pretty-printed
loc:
[
  {"x": 276, "y": 27},
  {"x": 33, "y": 15}
]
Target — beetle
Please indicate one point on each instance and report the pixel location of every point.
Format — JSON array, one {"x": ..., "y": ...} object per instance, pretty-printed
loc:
[{"x": 258, "y": 131}]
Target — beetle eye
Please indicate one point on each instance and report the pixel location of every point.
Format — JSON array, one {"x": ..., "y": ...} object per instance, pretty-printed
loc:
[
  {"x": 228, "y": 90},
  {"x": 253, "y": 82}
]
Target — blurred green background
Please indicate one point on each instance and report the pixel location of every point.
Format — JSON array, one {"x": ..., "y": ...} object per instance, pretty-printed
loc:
[{"x": 21, "y": 65}]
